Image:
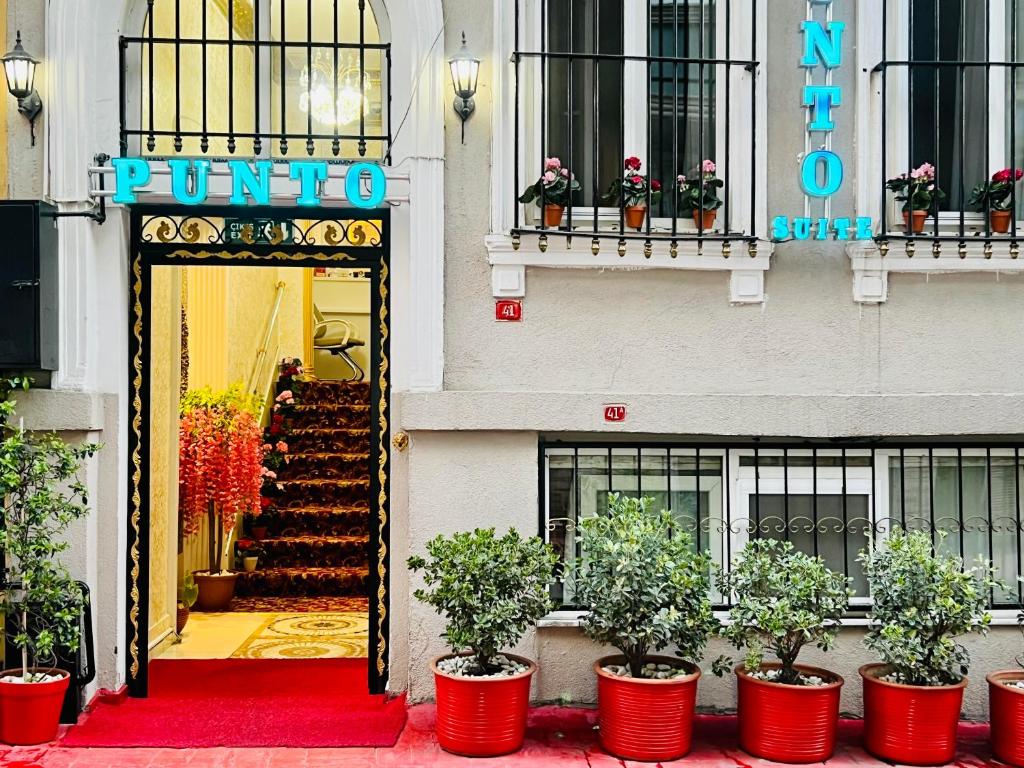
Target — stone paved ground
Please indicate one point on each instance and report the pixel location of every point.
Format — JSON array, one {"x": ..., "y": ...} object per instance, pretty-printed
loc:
[{"x": 557, "y": 737}]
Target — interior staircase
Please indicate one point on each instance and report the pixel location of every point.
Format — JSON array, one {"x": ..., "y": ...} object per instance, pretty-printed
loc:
[{"x": 316, "y": 556}]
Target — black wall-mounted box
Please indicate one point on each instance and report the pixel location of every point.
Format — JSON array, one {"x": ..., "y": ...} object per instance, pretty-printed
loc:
[{"x": 28, "y": 286}]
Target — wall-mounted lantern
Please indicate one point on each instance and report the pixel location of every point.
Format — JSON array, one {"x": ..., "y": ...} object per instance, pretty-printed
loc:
[
  {"x": 20, "y": 69},
  {"x": 465, "y": 71}
]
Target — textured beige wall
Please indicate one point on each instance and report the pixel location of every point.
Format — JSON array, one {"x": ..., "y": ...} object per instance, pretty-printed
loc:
[{"x": 165, "y": 362}]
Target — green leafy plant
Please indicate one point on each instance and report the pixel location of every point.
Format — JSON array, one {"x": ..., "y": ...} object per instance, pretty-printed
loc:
[
  {"x": 996, "y": 194},
  {"x": 633, "y": 188},
  {"x": 784, "y": 600},
  {"x": 643, "y": 584},
  {"x": 188, "y": 591},
  {"x": 555, "y": 186},
  {"x": 922, "y": 602},
  {"x": 42, "y": 497},
  {"x": 489, "y": 589},
  {"x": 917, "y": 191},
  {"x": 700, "y": 193}
]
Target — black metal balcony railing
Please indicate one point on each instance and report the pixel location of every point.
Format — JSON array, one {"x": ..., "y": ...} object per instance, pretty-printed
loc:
[
  {"x": 687, "y": 83},
  {"x": 831, "y": 500},
  {"x": 950, "y": 77},
  {"x": 231, "y": 82}
]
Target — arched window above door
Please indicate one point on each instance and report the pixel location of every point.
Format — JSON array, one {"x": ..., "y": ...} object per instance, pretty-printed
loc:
[{"x": 257, "y": 78}]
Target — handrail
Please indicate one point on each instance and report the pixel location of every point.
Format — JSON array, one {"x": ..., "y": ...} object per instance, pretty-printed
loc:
[{"x": 261, "y": 354}]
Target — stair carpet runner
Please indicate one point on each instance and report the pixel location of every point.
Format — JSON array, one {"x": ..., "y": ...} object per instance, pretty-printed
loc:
[{"x": 315, "y": 554}]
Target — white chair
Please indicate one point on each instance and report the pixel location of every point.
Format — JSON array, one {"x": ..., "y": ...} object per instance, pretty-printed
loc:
[{"x": 337, "y": 337}]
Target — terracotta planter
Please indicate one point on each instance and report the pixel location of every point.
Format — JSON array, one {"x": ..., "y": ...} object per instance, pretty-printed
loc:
[
  {"x": 648, "y": 720},
  {"x": 216, "y": 590},
  {"x": 999, "y": 221},
  {"x": 635, "y": 216},
  {"x": 788, "y": 723},
  {"x": 181, "y": 619},
  {"x": 482, "y": 717},
  {"x": 1006, "y": 714},
  {"x": 250, "y": 563},
  {"x": 911, "y": 724},
  {"x": 553, "y": 215},
  {"x": 259, "y": 532},
  {"x": 914, "y": 221},
  {"x": 30, "y": 712},
  {"x": 705, "y": 220}
]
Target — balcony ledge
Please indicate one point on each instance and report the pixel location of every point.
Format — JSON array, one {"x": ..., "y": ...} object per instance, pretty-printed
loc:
[
  {"x": 872, "y": 262},
  {"x": 745, "y": 261}
]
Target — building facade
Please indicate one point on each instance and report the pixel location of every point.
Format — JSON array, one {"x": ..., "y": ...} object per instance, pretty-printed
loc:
[{"x": 802, "y": 367}]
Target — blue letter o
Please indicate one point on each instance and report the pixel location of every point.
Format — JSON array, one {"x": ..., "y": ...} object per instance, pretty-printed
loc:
[
  {"x": 378, "y": 185},
  {"x": 833, "y": 173}
]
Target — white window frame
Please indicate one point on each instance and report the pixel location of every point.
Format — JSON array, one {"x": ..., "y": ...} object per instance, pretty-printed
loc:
[
  {"x": 509, "y": 258},
  {"x": 870, "y": 481}
]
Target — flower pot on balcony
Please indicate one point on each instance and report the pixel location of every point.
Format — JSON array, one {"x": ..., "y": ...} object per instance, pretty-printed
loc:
[
  {"x": 635, "y": 216},
  {"x": 641, "y": 719},
  {"x": 911, "y": 724},
  {"x": 1006, "y": 714},
  {"x": 30, "y": 712},
  {"x": 705, "y": 220},
  {"x": 482, "y": 716},
  {"x": 914, "y": 221},
  {"x": 788, "y": 723},
  {"x": 216, "y": 590},
  {"x": 553, "y": 215},
  {"x": 999, "y": 221}
]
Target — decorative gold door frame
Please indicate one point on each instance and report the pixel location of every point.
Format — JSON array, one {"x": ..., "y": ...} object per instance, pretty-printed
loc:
[{"x": 162, "y": 236}]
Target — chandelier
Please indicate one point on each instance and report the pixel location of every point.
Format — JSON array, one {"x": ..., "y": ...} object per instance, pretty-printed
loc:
[{"x": 317, "y": 96}]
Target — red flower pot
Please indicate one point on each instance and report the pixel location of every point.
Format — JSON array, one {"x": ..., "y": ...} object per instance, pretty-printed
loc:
[
  {"x": 914, "y": 221},
  {"x": 912, "y": 724},
  {"x": 553, "y": 215},
  {"x": 788, "y": 723},
  {"x": 649, "y": 720},
  {"x": 635, "y": 216},
  {"x": 482, "y": 717},
  {"x": 704, "y": 220},
  {"x": 30, "y": 712},
  {"x": 1006, "y": 713},
  {"x": 216, "y": 590},
  {"x": 999, "y": 221}
]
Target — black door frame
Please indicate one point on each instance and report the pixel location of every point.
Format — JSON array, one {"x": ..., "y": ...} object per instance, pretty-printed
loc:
[{"x": 163, "y": 235}]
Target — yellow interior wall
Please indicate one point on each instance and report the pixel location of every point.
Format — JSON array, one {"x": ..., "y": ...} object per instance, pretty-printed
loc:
[{"x": 165, "y": 368}]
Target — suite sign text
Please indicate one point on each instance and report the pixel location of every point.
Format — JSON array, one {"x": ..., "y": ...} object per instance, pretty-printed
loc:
[
  {"x": 822, "y": 171},
  {"x": 365, "y": 183}
]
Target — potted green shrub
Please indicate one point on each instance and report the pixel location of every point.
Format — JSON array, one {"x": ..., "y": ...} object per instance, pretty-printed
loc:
[
  {"x": 644, "y": 587},
  {"x": 554, "y": 189},
  {"x": 922, "y": 602},
  {"x": 489, "y": 589},
  {"x": 187, "y": 594},
  {"x": 919, "y": 195},
  {"x": 1006, "y": 709},
  {"x": 699, "y": 195},
  {"x": 42, "y": 496},
  {"x": 784, "y": 600}
]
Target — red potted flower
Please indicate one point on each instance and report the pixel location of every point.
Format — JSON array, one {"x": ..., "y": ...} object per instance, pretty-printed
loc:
[
  {"x": 646, "y": 588},
  {"x": 552, "y": 191},
  {"x": 922, "y": 601},
  {"x": 996, "y": 198},
  {"x": 634, "y": 192},
  {"x": 42, "y": 604},
  {"x": 784, "y": 600},
  {"x": 489, "y": 590},
  {"x": 220, "y": 475},
  {"x": 1006, "y": 710}
]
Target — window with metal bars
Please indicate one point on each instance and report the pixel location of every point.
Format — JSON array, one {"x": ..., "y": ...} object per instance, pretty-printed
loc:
[
  {"x": 672, "y": 83},
  {"x": 951, "y": 97},
  {"x": 259, "y": 78},
  {"x": 829, "y": 502}
]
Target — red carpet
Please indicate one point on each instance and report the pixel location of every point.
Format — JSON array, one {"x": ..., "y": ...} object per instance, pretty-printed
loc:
[{"x": 247, "y": 703}]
